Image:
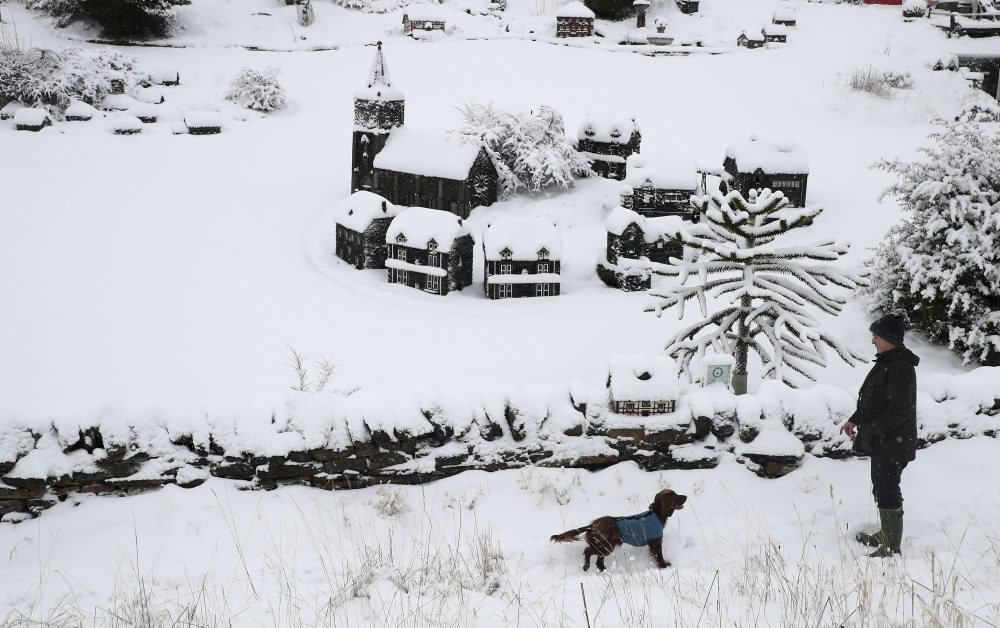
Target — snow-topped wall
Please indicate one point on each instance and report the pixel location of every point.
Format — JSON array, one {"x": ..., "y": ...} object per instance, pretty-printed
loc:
[{"x": 372, "y": 436}]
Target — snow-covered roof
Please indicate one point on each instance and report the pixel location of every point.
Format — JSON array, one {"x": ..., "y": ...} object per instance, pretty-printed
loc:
[
  {"x": 643, "y": 378},
  {"x": 358, "y": 210},
  {"x": 126, "y": 123},
  {"x": 11, "y": 108},
  {"x": 615, "y": 130},
  {"x": 753, "y": 35},
  {"x": 772, "y": 30},
  {"x": 152, "y": 95},
  {"x": 31, "y": 116},
  {"x": 420, "y": 225},
  {"x": 661, "y": 173},
  {"x": 117, "y": 102},
  {"x": 424, "y": 13},
  {"x": 524, "y": 237},
  {"x": 379, "y": 85},
  {"x": 143, "y": 110},
  {"x": 164, "y": 75},
  {"x": 575, "y": 9},
  {"x": 620, "y": 218},
  {"x": 655, "y": 228},
  {"x": 202, "y": 119},
  {"x": 784, "y": 157},
  {"x": 429, "y": 154},
  {"x": 784, "y": 14},
  {"x": 80, "y": 109}
]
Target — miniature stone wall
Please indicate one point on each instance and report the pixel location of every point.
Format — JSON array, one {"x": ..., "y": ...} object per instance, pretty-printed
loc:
[{"x": 769, "y": 433}]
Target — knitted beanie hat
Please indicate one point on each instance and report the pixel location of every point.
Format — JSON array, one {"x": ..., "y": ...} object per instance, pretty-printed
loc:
[{"x": 891, "y": 326}]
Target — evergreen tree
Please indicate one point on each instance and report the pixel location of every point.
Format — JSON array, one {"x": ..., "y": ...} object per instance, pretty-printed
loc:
[
  {"x": 769, "y": 288},
  {"x": 941, "y": 263}
]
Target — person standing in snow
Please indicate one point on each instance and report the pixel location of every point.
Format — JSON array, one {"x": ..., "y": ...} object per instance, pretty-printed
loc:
[{"x": 884, "y": 427}]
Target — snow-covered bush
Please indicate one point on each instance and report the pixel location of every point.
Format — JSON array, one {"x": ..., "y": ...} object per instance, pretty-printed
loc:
[
  {"x": 119, "y": 18},
  {"x": 914, "y": 8},
  {"x": 986, "y": 110},
  {"x": 878, "y": 82},
  {"x": 531, "y": 151},
  {"x": 391, "y": 502},
  {"x": 55, "y": 79},
  {"x": 942, "y": 263},
  {"x": 257, "y": 89}
]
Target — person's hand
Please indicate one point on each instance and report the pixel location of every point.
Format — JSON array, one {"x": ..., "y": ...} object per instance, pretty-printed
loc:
[{"x": 847, "y": 428}]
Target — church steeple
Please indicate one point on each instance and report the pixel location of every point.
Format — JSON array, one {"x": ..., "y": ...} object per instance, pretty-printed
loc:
[{"x": 379, "y": 107}]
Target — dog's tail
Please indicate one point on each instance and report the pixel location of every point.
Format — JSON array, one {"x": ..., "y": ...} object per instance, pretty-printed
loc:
[{"x": 569, "y": 535}]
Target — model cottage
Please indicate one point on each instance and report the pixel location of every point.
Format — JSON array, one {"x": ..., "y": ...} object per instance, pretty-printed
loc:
[
  {"x": 661, "y": 187},
  {"x": 362, "y": 221},
  {"x": 423, "y": 17},
  {"x": 574, "y": 20},
  {"x": 430, "y": 250},
  {"x": 643, "y": 384},
  {"x": 608, "y": 143},
  {"x": 522, "y": 259},
  {"x": 633, "y": 241},
  {"x": 754, "y": 164},
  {"x": 407, "y": 167}
]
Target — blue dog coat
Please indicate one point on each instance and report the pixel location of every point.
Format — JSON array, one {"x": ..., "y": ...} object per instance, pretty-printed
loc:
[{"x": 640, "y": 529}]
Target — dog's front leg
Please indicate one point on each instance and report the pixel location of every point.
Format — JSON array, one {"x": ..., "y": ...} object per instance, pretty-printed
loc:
[
  {"x": 600, "y": 563},
  {"x": 656, "y": 551},
  {"x": 586, "y": 558}
]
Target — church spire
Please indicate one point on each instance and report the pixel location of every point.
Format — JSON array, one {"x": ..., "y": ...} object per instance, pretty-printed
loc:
[{"x": 380, "y": 72}]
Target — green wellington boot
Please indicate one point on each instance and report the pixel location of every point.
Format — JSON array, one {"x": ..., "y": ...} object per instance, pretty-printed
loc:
[
  {"x": 891, "y": 532},
  {"x": 869, "y": 540}
]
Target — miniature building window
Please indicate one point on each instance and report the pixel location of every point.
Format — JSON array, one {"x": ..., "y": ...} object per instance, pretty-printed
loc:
[
  {"x": 543, "y": 253},
  {"x": 432, "y": 259},
  {"x": 433, "y": 283},
  {"x": 630, "y": 406},
  {"x": 432, "y": 245},
  {"x": 543, "y": 267},
  {"x": 589, "y": 131},
  {"x": 401, "y": 238},
  {"x": 401, "y": 254},
  {"x": 505, "y": 254},
  {"x": 505, "y": 269},
  {"x": 542, "y": 290},
  {"x": 504, "y": 291}
]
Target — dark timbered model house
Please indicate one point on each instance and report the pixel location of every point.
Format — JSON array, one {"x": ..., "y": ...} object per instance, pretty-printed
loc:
[
  {"x": 661, "y": 187},
  {"x": 688, "y": 6},
  {"x": 522, "y": 259},
  {"x": 774, "y": 34},
  {"x": 574, "y": 20},
  {"x": 784, "y": 16},
  {"x": 378, "y": 109},
  {"x": 413, "y": 168},
  {"x": 755, "y": 164},
  {"x": 989, "y": 66},
  {"x": 633, "y": 242},
  {"x": 750, "y": 40},
  {"x": 31, "y": 119},
  {"x": 643, "y": 384},
  {"x": 608, "y": 143},
  {"x": 423, "y": 17},
  {"x": 430, "y": 250},
  {"x": 435, "y": 170},
  {"x": 362, "y": 221}
]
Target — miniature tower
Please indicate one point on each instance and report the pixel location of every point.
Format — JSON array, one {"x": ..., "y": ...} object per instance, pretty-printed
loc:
[{"x": 378, "y": 109}]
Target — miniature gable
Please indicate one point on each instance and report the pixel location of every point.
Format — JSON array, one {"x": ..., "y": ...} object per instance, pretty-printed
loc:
[{"x": 523, "y": 239}]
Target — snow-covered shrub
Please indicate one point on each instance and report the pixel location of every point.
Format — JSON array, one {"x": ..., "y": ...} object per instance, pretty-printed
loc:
[
  {"x": 62, "y": 11},
  {"x": 119, "y": 18},
  {"x": 986, "y": 110},
  {"x": 878, "y": 82},
  {"x": 257, "y": 89},
  {"x": 55, "y": 79},
  {"x": 391, "y": 502},
  {"x": 942, "y": 263},
  {"x": 531, "y": 151},
  {"x": 914, "y": 8}
]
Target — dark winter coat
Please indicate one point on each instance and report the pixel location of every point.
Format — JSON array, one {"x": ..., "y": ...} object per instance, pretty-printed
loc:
[{"x": 886, "y": 417}]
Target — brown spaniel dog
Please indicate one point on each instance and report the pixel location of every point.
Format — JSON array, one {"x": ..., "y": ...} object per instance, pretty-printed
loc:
[{"x": 604, "y": 534}]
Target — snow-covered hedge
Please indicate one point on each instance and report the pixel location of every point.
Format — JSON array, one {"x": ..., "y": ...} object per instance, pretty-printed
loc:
[
  {"x": 42, "y": 77},
  {"x": 117, "y": 17},
  {"x": 257, "y": 89},
  {"x": 914, "y": 8},
  {"x": 373, "y": 6}
]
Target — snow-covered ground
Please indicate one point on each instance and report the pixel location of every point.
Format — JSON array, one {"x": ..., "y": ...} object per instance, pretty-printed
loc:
[
  {"x": 474, "y": 550},
  {"x": 165, "y": 274}
]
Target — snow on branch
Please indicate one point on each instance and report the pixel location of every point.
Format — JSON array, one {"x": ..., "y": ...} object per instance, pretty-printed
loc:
[{"x": 769, "y": 289}]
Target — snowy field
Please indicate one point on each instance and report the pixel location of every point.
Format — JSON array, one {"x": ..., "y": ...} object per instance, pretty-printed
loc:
[
  {"x": 473, "y": 550},
  {"x": 165, "y": 275}
]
